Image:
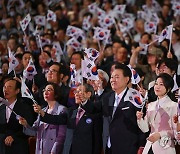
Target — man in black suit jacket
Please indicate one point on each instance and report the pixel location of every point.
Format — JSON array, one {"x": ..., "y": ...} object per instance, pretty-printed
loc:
[
  {"x": 85, "y": 135},
  {"x": 55, "y": 75},
  {"x": 120, "y": 129},
  {"x": 12, "y": 139}
]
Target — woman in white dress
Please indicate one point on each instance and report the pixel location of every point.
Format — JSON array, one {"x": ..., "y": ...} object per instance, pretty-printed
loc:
[{"x": 159, "y": 119}]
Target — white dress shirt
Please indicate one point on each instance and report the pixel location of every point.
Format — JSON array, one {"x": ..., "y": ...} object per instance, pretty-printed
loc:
[
  {"x": 116, "y": 103},
  {"x": 9, "y": 111}
]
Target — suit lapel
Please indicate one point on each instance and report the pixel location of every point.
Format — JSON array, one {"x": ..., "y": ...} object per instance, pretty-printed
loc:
[
  {"x": 3, "y": 114},
  {"x": 120, "y": 105},
  {"x": 111, "y": 103},
  {"x": 16, "y": 110}
]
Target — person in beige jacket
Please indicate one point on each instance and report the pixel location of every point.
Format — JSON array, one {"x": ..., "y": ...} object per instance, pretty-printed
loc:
[{"x": 159, "y": 119}]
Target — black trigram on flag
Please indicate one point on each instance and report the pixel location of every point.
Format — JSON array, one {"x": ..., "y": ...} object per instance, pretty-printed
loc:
[
  {"x": 88, "y": 74},
  {"x": 89, "y": 65}
]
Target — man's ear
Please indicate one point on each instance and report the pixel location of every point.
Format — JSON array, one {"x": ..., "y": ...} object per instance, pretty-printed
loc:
[
  {"x": 65, "y": 78},
  {"x": 168, "y": 90},
  {"x": 128, "y": 80},
  {"x": 61, "y": 76},
  {"x": 88, "y": 94},
  {"x": 17, "y": 91}
]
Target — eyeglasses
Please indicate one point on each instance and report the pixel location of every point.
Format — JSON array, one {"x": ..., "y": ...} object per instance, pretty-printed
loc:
[
  {"x": 48, "y": 90},
  {"x": 52, "y": 71},
  {"x": 78, "y": 92},
  {"x": 163, "y": 67}
]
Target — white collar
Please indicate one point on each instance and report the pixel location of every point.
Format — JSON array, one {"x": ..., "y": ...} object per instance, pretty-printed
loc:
[
  {"x": 121, "y": 94},
  {"x": 12, "y": 105},
  {"x": 162, "y": 100},
  {"x": 84, "y": 103}
]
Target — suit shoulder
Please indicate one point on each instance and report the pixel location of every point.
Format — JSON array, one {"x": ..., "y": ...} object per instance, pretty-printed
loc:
[
  {"x": 62, "y": 109},
  {"x": 108, "y": 94}
]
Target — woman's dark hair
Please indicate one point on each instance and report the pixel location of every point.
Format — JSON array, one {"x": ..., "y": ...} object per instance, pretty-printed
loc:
[
  {"x": 57, "y": 91},
  {"x": 167, "y": 81}
]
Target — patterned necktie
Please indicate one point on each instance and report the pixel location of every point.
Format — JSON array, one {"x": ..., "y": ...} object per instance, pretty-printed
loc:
[{"x": 79, "y": 114}]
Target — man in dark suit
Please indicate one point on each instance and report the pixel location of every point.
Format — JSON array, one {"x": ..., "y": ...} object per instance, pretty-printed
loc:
[
  {"x": 84, "y": 131},
  {"x": 12, "y": 139},
  {"x": 55, "y": 75},
  {"x": 120, "y": 130}
]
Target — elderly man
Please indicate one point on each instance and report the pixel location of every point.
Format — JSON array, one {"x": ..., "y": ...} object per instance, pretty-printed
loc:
[
  {"x": 12, "y": 139},
  {"x": 84, "y": 133}
]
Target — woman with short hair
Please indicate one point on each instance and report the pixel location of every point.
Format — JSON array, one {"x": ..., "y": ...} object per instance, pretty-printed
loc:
[
  {"x": 49, "y": 138},
  {"x": 159, "y": 118}
]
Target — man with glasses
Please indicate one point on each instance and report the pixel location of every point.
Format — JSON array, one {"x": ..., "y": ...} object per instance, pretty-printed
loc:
[
  {"x": 55, "y": 75},
  {"x": 169, "y": 66}
]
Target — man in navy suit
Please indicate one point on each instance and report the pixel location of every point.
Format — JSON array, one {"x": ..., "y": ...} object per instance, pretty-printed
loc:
[
  {"x": 12, "y": 138},
  {"x": 120, "y": 129},
  {"x": 84, "y": 130}
]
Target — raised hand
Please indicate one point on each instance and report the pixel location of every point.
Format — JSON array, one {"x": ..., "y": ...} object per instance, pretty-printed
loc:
[
  {"x": 139, "y": 115},
  {"x": 23, "y": 121}
]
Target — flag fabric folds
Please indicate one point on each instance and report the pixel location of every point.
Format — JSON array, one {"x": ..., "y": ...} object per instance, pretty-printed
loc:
[
  {"x": 89, "y": 69},
  {"x": 101, "y": 34},
  {"x": 150, "y": 27},
  {"x": 51, "y": 16},
  {"x": 135, "y": 98},
  {"x": 74, "y": 43},
  {"x": 73, "y": 75},
  {"x": 40, "y": 20},
  {"x": 166, "y": 33},
  {"x": 25, "y": 92},
  {"x": 13, "y": 62},
  {"x": 30, "y": 70},
  {"x": 25, "y": 22},
  {"x": 91, "y": 53},
  {"x": 119, "y": 9},
  {"x": 75, "y": 32},
  {"x": 135, "y": 78}
]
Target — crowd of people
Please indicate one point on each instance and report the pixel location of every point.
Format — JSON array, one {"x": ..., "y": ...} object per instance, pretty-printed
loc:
[{"x": 101, "y": 76}]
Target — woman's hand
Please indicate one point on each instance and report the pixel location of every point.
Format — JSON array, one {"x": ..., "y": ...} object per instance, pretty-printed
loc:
[
  {"x": 175, "y": 119},
  {"x": 139, "y": 115},
  {"x": 23, "y": 121},
  {"x": 37, "y": 109},
  {"x": 154, "y": 137}
]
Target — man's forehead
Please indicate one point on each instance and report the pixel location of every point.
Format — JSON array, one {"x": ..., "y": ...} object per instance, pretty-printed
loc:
[
  {"x": 54, "y": 66},
  {"x": 117, "y": 72},
  {"x": 10, "y": 82}
]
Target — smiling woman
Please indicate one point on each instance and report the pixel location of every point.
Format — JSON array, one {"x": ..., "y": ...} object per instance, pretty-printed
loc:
[{"x": 159, "y": 117}]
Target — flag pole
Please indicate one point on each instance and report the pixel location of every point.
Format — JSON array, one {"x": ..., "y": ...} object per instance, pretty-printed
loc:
[
  {"x": 26, "y": 41},
  {"x": 39, "y": 39},
  {"x": 17, "y": 116},
  {"x": 116, "y": 26},
  {"x": 99, "y": 45},
  {"x": 170, "y": 41},
  {"x": 145, "y": 99},
  {"x": 14, "y": 73}
]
